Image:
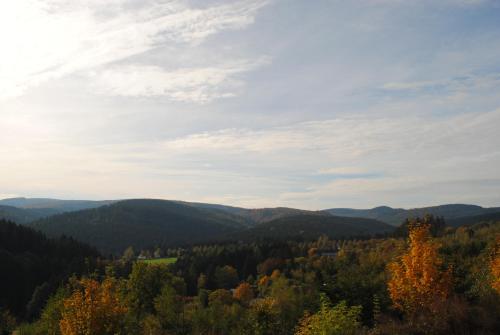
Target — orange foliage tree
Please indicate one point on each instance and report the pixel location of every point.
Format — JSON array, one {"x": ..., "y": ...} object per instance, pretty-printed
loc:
[
  {"x": 417, "y": 282},
  {"x": 495, "y": 267},
  {"x": 243, "y": 293},
  {"x": 93, "y": 309}
]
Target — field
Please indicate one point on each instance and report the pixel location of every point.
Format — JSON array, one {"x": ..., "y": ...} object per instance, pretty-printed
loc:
[{"x": 166, "y": 260}]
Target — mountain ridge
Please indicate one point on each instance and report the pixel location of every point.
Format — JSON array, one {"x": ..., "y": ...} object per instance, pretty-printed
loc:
[
  {"x": 145, "y": 223},
  {"x": 396, "y": 216}
]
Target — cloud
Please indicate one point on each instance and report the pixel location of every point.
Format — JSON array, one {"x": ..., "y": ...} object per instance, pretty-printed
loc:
[
  {"x": 344, "y": 171},
  {"x": 338, "y": 162},
  {"x": 53, "y": 39},
  {"x": 198, "y": 85},
  {"x": 456, "y": 84},
  {"x": 325, "y": 124}
]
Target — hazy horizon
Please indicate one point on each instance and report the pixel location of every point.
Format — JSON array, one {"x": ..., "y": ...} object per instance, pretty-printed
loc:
[{"x": 252, "y": 103}]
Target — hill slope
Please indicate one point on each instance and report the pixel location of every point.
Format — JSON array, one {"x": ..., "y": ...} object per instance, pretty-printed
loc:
[
  {"x": 57, "y": 205},
  {"x": 396, "y": 216},
  {"x": 22, "y": 215},
  {"x": 141, "y": 223},
  {"x": 312, "y": 226},
  {"x": 254, "y": 216},
  {"x": 28, "y": 259},
  {"x": 471, "y": 220}
]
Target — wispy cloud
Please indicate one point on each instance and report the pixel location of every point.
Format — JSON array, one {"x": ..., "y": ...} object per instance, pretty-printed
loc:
[
  {"x": 455, "y": 84},
  {"x": 198, "y": 85},
  {"x": 56, "y": 38},
  {"x": 309, "y": 164}
]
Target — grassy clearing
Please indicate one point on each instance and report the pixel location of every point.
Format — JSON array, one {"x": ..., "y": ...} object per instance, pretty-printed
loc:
[{"x": 166, "y": 260}]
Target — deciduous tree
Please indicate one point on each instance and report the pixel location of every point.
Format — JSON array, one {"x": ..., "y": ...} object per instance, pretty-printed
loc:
[
  {"x": 495, "y": 267},
  {"x": 337, "y": 320},
  {"x": 417, "y": 282},
  {"x": 93, "y": 309},
  {"x": 243, "y": 293}
]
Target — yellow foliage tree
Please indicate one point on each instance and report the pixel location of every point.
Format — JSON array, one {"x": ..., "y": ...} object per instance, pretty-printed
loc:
[
  {"x": 495, "y": 267},
  {"x": 93, "y": 309},
  {"x": 417, "y": 282}
]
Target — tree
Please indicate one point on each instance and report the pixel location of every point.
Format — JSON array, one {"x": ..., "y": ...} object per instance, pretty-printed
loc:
[
  {"x": 495, "y": 267},
  {"x": 93, "y": 309},
  {"x": 128, "y": 255},
  {"x": 417, "y": 282},
  {"x": 202, "y": 281},
  {"x": 7, "y": 322},
  {"x": 158, "y": 253},
  {"x": 144, "y": 284},
  {"x": 243, "y": 293},
  {"x": 337, "y": 320},
  {"x": 226, "y": 277},
  {"x": 264, "y": 316},
  {"x": 436, "y": 223},
  {"x": 48, "y": 324},
  {"x": 220, "y": 296},
  {"x": 169, "y": 307}
]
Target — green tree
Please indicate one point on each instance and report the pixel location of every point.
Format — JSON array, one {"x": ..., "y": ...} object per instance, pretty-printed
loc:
[
  {"x": 337, "y": 320},
  {"x": 264, "y": 316},
  {"x": 169, "y": 308},
  {"x": 226, "y": 277},
  {"x": 144, "y": 284},
  {"x": 7, "y": 322}
]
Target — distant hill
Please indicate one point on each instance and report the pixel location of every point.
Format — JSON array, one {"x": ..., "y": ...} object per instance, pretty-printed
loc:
[
  {"x": 26, "y": 210},
  {"x": 264, "y": 215},
  {"x": 396, "y": 216},
  {"x": 141, "y": 223},
  {"x": 57, "y": 205},
  {"x": 311, "y": 226},
  {"x": 23, "y": 216},
  {"x": 471, "y": 220},
  {"x": 112, "y": 226},
  {"x": 255, "y": 216},
  {"x": 144, "y": 223}
]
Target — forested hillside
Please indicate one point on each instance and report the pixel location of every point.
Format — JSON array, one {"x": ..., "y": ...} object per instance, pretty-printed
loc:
[
  {"x": 468, "y": 220},
  {"x": 141, "y": 223},
  {"x": 311, "y": 226},
  {"x": 396, "y": 216},
  {"x": 22, "y": 215},
  {"x": 33, "y": 266},
  {"x": 57, "y": 205},
  {"x": 26, "y": 210},
  {"x": 147, "y": 223}
]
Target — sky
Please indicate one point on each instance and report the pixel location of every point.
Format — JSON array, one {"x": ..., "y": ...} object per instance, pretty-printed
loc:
[{"x": 253, "y": 103}]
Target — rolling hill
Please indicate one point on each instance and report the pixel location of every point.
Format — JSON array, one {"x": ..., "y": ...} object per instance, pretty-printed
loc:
[
  {"x": 396, "y": 216},
  {"x": 25, "y": 210},
  {"x": 57, "y": 205},
  {"x": 22, "y": 215},
  {"x": 471, "y": 220},
  {"x": 141, "y": 223},
  {"x": 144, "y": 223},
  {"x": 311, "y": 226},
  {"x": 255, "y": 216}
]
